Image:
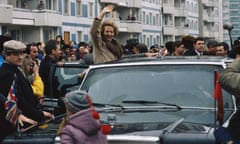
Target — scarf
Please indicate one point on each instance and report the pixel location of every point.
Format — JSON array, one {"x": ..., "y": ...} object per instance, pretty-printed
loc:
[{"x": 114, "y": 47}]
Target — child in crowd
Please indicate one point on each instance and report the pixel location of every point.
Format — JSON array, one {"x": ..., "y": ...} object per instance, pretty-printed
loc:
[{"x": 80, "y": 126}]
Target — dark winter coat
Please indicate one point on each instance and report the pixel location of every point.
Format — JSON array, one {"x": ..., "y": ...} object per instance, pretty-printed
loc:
[
  {"x": 44, "y": 70},
  {"x": 26, "y": 101}
]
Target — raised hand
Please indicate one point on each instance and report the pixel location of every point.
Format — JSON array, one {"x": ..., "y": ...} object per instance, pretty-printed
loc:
[{"x": 108, "y": 8}]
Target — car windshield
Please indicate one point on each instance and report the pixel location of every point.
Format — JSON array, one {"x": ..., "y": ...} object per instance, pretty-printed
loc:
[{"x": 184, "y": 85}]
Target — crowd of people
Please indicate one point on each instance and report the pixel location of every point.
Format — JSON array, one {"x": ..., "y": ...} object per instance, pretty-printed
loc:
[
  {"x": 25, "y": 69},
  {"x": 24, "y": 82}
]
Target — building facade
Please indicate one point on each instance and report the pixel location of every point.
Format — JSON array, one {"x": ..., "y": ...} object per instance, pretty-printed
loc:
[
  {"x": 234, "y": 12},
  {"x": 193, "y": 17},
  {"x": 153, "y": 22}
]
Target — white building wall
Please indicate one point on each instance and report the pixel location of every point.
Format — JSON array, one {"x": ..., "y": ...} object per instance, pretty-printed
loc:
[{"x": 152, "y": 26}]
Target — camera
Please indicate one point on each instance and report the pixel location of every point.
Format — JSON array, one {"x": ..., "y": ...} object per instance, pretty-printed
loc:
[{"x": 31, "y": 66}]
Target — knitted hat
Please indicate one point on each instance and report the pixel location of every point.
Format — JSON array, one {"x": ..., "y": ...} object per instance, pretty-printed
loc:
[{"x": 76, "y": 100}]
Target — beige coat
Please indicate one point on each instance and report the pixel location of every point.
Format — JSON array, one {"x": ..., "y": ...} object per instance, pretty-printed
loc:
[
  {"x": 230, "y": 78},
  {"x": 101, "y": 53}
]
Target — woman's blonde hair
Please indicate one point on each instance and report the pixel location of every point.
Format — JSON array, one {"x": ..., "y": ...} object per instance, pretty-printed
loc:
[
  {"x": 111, "y": 24},
  {"x": 27, "y": 61}
]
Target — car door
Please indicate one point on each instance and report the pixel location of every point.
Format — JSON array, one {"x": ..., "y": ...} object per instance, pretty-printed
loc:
[{"x": 63, "y": 79}]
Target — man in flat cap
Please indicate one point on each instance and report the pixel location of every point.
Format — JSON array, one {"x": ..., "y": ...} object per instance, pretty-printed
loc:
[{"x": 28, "y": 107}]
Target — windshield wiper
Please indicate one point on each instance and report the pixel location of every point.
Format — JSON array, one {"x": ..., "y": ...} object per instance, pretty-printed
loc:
[
  {"x": 150, "y": 102},
  {"x": 105, "y": 105}
]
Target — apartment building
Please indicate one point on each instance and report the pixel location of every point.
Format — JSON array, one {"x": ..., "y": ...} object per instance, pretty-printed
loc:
[
  {"x": 194, "y": 17},
  {"x": 234, "y": 12},
  {"x": 153, "y": 22},
  {"x": 26, "y": 22},
  {"x": 225, "y": 19},
  {"x": 180, "y": 18},
  {"x": 72, "y": 19},
  {"x": 209, "y": 19}
]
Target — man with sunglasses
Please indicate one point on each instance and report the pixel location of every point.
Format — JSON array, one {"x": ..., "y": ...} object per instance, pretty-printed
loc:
[{"x": 28, "y": 108}]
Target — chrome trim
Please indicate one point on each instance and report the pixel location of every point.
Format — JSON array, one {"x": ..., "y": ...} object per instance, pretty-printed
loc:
[
  {"x": 156, "y": 63},
  {"x": 57, "y": 140},
  {"x": 131, "y": 138}
]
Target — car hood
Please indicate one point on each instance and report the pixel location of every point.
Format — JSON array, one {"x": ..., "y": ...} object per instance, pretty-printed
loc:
[
  {"x": 122, "y": 122},
  {"x": 170, "y": 127}
]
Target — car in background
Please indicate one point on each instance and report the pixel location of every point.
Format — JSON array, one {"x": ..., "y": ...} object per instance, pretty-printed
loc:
[{"x": 165, "y": 100}]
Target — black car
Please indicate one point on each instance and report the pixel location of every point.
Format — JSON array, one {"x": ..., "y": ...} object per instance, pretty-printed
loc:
[{"x": 148, "y": 100}]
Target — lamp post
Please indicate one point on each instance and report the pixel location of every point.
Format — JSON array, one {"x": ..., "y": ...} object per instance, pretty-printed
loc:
[{"x": 229, "y": 27}]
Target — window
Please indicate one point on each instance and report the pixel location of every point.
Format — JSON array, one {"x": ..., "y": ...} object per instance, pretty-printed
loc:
[
  {"x": 52, "y": 4},
  {"x": 151, "y": 40},
  {"x": 147, "y": 20},
  {"x": 48, "y": 5},
  {"x": 168, "y": 20},
  {"x": 157, "y": 19},
  {"x": 158, "y": 40},
  {"x": 177, "y": 22},
  {"x": 66, "y": 7},
  {"x": 79, "y": 7},
  {"x": 144, "y": 18},
  {"x": 79, "y": 34},
  {"x": 90, "y": 9},
  {"x": 48, "y": 34},
  {"x": 144, "y": 39},
  {"x": 16, "y": 34},
  {"x": 150, "y": 19}
]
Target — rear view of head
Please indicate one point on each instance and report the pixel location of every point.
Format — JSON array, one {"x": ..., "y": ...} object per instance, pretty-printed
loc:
[
  {"x": 3, "y": 39},
  {"x": 76, "y": 101},
  {"x": 188, "y": 41}
]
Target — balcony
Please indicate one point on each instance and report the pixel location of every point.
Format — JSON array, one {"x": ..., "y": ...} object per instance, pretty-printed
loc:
[
  {"x": 168, "y": 30},
  {"x": 179, "y": 31},
  {"x": 207, "y": 33},
  {"x": 208, "y": 3},
  {"x": 6, "y": 13},
  {"x": 124, "y": 3},
  {"x": 47, "y": 18},
  {"x": 168, "y": 9},
  {"x": 180, "y": 12},
  {"x": 208, "y": 18},
  {"x": 130, "y": 26},
  {"x": 19, "y": 16}
]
